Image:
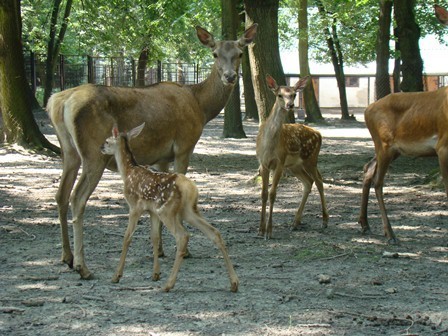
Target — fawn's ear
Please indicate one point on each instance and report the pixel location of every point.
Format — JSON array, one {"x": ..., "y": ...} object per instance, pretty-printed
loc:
[
  {"x": 135, "y": 131},
  {"x": 300, "y": 85},
  {"x": 205, "y": 37},
  {"x": 272, "y": 84},
  {"x": 115, "y": 132}
]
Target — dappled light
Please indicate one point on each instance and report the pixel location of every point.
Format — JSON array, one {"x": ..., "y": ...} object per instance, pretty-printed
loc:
[{"x": 311, "y": 281}]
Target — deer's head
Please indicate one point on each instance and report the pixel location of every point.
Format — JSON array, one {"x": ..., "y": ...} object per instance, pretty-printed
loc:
[
  {"x": 285, "y": 95},
  {"x": 227, "y": 54},
  {"x": 111, "y": 145}
]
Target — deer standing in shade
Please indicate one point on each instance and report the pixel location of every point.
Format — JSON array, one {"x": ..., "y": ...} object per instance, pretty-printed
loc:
[
  {"x": 292, "y": 146},
  {"x": 404, "y": 123},
  {"x": 169, "y": 198},
  {"x": 175, "y": 116}
]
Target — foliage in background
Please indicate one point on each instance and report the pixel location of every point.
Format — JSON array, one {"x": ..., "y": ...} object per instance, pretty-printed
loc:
[{"x": 125, "y": 27}]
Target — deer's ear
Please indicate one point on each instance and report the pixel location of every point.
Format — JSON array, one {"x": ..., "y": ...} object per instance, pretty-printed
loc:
[
  {"x": 115, "y": 132},
  {"x": 205, "y": 37},
  {"x": 135, "y": 131},
  {"x": 248, "y": 36},
  {"x": 300, "y": 85},
  {"x": 441, "y": 14},
  {"x": 272, "y": 84}
]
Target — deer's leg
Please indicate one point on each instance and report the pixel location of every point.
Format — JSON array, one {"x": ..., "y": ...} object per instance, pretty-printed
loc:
[
  {"x": 320, "y": 187},
  {"x": 91, "y": 174},
  {"x": 369, "y": 173},
  {"x": 442, "y": 153},
  {"x": 264, "y": 172},
  {"x": 134, "y": 215},
  {"x": 71, "y": 164},
  {"x": 174, "y": 225},
  {"x": 383, "y": 162},
  {"x": 307, "y": 183},
  {"x": 272, "y": 196},
  {"x": 194, "y": 217},
  {"x": 156, "y": 244}
]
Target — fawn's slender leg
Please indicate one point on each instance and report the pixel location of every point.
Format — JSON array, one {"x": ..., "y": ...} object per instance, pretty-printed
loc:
[{"x": 134, "y": 215}]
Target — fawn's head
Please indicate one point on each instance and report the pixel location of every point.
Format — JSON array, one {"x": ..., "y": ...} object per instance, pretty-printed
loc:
[
  {"x": 111, "y": 145},
  {"x": 285, "y": 95},
  {"x": 227, "y": 54}
]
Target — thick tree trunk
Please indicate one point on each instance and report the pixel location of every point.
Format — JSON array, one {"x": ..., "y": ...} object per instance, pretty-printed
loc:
[
  {"x": 408, "y": 33},
  {"x": 382, "y": 77},
  {"x": 313, "y": 113},
  {"x": 19, "y": 125},
  {"x": 264, "y": 54},
  {"x": 233, "y": 123}
]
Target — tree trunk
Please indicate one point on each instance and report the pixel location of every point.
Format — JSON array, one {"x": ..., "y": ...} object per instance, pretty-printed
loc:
[
  {"x": 250, "y": 105},
  {"x": 233, "y": 123},
  {"x": 19, "y": 125},
  {"x": 408, "y": 33},
  {"x": 264, "y": 53},
  {"x": 313, "y": 113},
  {"x": 337, "y": 59},
  {"x": 382, "y": 77},
  {"x": 54, "y": 45},
  {"x": 141, "y": 67}
]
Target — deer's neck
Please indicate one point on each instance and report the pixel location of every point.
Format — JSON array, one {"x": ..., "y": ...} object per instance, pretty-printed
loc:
[
  {"x": 211, "y": 94},
  {"x": 125, "y": 159},
  {"x": 272, "y": 128}
]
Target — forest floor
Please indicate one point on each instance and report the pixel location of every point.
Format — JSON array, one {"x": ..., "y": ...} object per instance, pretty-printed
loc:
[{"x": 308, "y": 282}]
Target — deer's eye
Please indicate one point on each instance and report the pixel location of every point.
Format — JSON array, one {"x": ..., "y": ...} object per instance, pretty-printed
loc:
[
  {"x": 280, "y": 96},
  {"x": 215, "y": 55}
]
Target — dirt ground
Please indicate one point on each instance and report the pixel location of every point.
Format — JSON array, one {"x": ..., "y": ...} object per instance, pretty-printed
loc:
[{"x": 308, "y": 282}]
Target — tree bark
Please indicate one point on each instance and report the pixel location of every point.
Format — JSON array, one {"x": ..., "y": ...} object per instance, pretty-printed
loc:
[
  {"x": 233, "y": 123},
  {"x": 313, "y": 113},
  {"x": 54, "y": 45},
  {"x": 408, "y": 33},
  {"x": 250, "y": 105},
  {"x": 337, "y": 59},
  {"x": 19, "y": 125},
  {"x": 264, "y": 53},
  {"x": 382, "y": 77},
  {"x": 141, "y": 67}
]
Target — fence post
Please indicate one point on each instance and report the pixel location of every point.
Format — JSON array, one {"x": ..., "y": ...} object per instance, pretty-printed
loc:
[
  {"x": 61, "y": 72},
  {"x": 33, "y": 72},
  {"x": 89, "y": 69},
  {"x": 196, "y": 67},
  {"x": 159, "y": 71},
  {"x": 134, "y": 79}
]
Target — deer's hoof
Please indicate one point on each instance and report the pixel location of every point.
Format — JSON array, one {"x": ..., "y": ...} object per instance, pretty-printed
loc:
[
  {"x": 84, "y": 273},
  {"x": 393, "y": 241},
  {"x": 156, "y": 277},
  {"x": 234, "y": 287},
  {"x": 116, "y": 278}
]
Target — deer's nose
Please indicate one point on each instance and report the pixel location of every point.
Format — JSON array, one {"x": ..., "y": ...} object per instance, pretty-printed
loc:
[
  {"x": 230, "y": 77},
  {"x": 289, "y": 105}
]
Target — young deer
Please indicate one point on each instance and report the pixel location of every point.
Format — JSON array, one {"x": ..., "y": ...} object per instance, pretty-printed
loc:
[
  {"x": 404, "y": 123},
  {"x": 292, "y": 146},
  {"x": 169, "y": 198},
  {"x": 175, "y": 116}
]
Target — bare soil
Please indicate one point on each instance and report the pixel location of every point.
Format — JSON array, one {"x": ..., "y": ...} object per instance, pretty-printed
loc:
[{"x": 308, "y": 282}]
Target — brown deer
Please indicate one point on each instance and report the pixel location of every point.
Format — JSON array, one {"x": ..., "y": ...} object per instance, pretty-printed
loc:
[
  {"x": 292, "y": 146},
  {"x": 169, "y": 198},
  {"x": 405, "y": 123},
  {"x": 175, "y": 116}
]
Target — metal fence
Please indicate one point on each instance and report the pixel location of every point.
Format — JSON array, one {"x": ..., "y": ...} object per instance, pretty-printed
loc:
[{"x": 74, "y": 70}]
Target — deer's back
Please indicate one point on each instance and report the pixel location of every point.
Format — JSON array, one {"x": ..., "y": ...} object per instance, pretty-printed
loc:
[
  {"x": 170, "y": 112},
  {"x": 416, "y": 116}
]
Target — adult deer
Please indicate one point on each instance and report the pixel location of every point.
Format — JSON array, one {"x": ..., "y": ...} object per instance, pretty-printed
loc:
[
  {"x": 405, "y": 123},
  {"x": 170, "y": 198},
  {"x": 175, "y": 116},
  {"x": 292, "y": 146}
]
